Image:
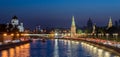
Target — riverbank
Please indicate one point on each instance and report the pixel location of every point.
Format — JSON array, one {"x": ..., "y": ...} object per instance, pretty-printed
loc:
[
  {"x": 113, "y": 49},
  {"x": 12, "y": 45}
]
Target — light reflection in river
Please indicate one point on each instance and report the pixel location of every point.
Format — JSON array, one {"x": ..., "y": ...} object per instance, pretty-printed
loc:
[
  {"x": 4, "y": 53},
  {"x": 96, "y": 52},
  {"x": 12, "y": 51},
  {"x": 56, "y": 48},
  {"x": 18, "y": 51}
]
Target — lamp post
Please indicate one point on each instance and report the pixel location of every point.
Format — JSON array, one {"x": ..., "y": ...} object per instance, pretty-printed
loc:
[
  {"x": 12, "y": 34},
  {"x": 95, "y": 35},
  {"x": 91, "y": 35},
  {"x": 88, "y": 35},
  {"x": 5, "y": 34},
  {"x": 99, "y": 35},
  {"x": 107, "y": 35},
  {"x": 116, "y": 36},
  {"x": 102, "y": 35}
]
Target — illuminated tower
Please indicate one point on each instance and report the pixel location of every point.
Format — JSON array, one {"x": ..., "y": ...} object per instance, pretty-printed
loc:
[
  {"x": 94, "y": 28},
  {"x": 110, "y": 23},
  {"x": 73, "y": 28}
]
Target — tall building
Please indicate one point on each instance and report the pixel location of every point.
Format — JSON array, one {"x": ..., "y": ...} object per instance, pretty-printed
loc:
[
  {"x": 73, "y": 28},
  {"x": 110, "y": 23}
]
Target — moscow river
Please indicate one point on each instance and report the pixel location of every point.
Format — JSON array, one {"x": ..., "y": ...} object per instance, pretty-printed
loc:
[{"x": 56, "y": 48}]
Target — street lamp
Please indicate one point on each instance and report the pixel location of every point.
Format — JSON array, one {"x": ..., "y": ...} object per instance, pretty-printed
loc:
[
  {"x": 89, "y": 35},
  {"x": 5, "y": 34},
  {"x": 102, "y": 34},
  {"x": 107, "y": 35},
  {"x": 99, "y": 35},
  {"x": 95, "y": 35},
  {"x": 116, "y": 36},
  {"x": 12, "y": 34},
  {"x": 17, "y": 34}
]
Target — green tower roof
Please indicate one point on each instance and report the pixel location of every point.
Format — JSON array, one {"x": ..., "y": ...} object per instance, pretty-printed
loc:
[{"x": 73, "y": 21}]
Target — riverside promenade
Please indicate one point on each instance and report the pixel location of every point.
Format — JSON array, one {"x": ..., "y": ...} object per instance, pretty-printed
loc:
[
  {"x": 111, "y": 46},
  {"x": 11, "y": 45}
]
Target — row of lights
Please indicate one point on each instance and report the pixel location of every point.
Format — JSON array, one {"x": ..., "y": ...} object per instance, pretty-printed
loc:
[
  {"x": 114, "y": 34},
  {"x": 5, "y": 34}
]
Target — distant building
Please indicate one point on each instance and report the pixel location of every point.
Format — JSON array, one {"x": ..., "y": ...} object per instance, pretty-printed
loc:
[
  {"x": 110, "y": 23},
  {"x": 89, "y": 24},
  {"x": 73, "y": 28},
  {"x": 14, "y": 24}
]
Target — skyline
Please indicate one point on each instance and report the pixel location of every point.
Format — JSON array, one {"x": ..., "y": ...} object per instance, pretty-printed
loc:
[{"x": 59, "y": 13}]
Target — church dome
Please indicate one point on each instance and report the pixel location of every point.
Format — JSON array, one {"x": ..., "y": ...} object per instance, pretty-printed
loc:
[{"x": 14, "y": 17}]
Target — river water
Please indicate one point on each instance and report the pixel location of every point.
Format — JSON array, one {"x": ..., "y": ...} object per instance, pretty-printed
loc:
[{"x": 56, "y": 48}]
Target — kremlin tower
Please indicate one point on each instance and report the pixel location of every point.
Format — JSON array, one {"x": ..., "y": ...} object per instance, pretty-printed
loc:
[
  {"x": 110, "y": 23},
  {"x": 73, "y": 28}
]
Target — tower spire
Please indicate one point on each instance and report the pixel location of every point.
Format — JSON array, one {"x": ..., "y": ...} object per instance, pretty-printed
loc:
[
  {"x": 73, "y": 28},
  {"x": 110, "y": 23},
  {"x": 73, "y": 21}
]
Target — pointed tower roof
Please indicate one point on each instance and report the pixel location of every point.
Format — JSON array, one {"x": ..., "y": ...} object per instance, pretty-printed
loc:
[
  {"x": 110, "y": 20},
  {"x": 14, "y": 17},
  {"x": 110, "y": 23},
  {"x": 73, "y": 21}
]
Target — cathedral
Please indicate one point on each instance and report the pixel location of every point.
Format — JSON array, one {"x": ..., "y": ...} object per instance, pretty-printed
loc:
[{"x": 15, "y": 24}]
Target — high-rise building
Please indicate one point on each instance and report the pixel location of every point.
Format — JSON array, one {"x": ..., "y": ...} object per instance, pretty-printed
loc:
[
  {"x": 73, "y": 28},
  {"x": 110, "y": 23}
]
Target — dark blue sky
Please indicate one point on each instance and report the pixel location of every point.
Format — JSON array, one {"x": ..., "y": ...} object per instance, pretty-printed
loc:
[{"x": 57, "y": 13}]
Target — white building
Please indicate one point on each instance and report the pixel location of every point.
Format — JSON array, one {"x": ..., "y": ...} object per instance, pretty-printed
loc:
[{"x": 15, "y": 23}]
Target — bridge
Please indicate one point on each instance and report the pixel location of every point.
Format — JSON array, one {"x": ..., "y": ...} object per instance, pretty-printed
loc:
[{"x": 45, "y": 35}]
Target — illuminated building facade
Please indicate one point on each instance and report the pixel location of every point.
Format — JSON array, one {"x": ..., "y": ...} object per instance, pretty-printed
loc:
[{"x": 14, "y": 24}]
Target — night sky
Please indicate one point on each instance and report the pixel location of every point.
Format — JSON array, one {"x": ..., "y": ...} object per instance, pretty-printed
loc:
[{"x": 58, "y": 13}]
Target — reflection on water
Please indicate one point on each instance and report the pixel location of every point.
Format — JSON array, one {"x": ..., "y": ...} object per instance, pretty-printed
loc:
[
  {"x": 18, "y": 51},
  {"x": 96, "y": 52},
  {"x": 4, "y": 53},
  {"x": 56, "y": 48}
]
